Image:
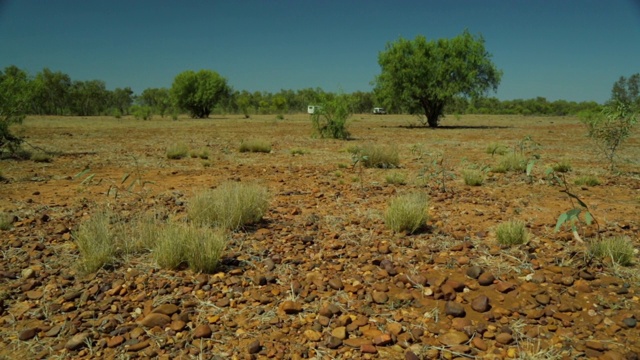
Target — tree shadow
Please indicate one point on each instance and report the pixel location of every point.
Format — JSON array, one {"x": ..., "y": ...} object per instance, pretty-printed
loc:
[{"x": 451, "y": 127}]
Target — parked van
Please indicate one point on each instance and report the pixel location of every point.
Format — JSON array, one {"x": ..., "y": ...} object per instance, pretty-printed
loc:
[
  {"x": 379, "y": 111},
  {"x": 312, "y": 109}
]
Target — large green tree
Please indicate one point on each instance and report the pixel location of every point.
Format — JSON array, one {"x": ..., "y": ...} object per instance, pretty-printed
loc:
[
  {"x": 627, "y": 91},
  {"x": 159, "y": 99},
  {"x": 51, "y": 92},
  {"x": 15, "y": 95},
  {"x": 199, "y": 92},
  {"x": 422, "y": 76}
]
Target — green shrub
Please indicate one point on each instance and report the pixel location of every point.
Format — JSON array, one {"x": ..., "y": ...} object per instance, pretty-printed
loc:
[
  {"x": 41, "y": 157},
  {"x": 473, "y": 177},
  {"x": 375, "y": 156},
  {"x": 587, "y": 180},
  {"x": 512, "y": 232},
  {"x": 255, "y": 146},
  {"x": 496, "y": 148},
  {"x": 396, "y": 178},
  {"x": 617, "y": 249},
  {"x": 177, "y": 151},
  {"x": 203, "y": 154},
  {"x": 562, "y": 167},
  {"x": 142, "y": 112},
  {"x": 6, "y": 221},
  {"x": 299, "y": 151},
  {"x": 511, "y": 162},
  {"x": 330, "y": 121},
  {"x": 96, "y": 242},
  {"x": 229, "y": 206},
  {"x": 407, "y": 212}
]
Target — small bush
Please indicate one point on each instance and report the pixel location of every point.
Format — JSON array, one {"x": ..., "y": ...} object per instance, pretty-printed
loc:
[
  {"x": 396, "y": 178},
  {"x": 298, "y": 152},
  {"x": 169, "y": 250},
  {"x": 255, "y": 146},
  {"x": 496, "y": 149},
  {"x": 204, "y": 247},
  {"x": 6, "y": 221},
  {"x": 330, "y": 120},
  {"x": 203, "y": 154},
  {"x": 229, "y": 206},
  {"x": 142, "y": 112},
  {"x": 407, "y": 212},
  {"x": 512, "y": 232},
  {"x": 473, "y": 177},
  {"x": 562, "y": 167},
  {"x": 142, "y": 234},
  {"x": 177, "y": 151},
  {"x": 375, "y": 156},
  {"x": 511, "y": 162},
  {"x": 41, "y": 157},
  {"x": 96, "y": 243},
  {"x": 617, "y": 249},
  {"x": 587, "y": 180}
]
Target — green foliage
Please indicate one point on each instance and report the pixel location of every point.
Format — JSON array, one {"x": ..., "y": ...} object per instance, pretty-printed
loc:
[
  {"x": 51, "y": 92},
  {"x": 229, "y": 206},
  {"x": 496, "y": 148},
  {"x": 473, "y": 177},
  {"x": 511, "y": 162},
  {"x": 512, "y": 232},
  {"x": 6, "y": 221},
  {"x": 142, "y": 112},
  {"x": 423, "y": 76},
  {"x": 298, "y": 151},
  {"x": 158, "y": 99},
  {"x": 15, "y": 93},
  {"x": 562, "y": 167},
  {"x": 618, "y": 249},
  {"x": 199, "y": 247},
  {"x": 407, "y": 213},
  {"x": 611, "y": 128},
  {"x": 331, "y": 120},
  {"x": 198, "y": 93},
  {"x": 588, "y": 180},
  {"x": 255, "y": 146},
  {"x": 377, "y": 156},
  {"x": 203, "y": 154},
  {"x": 177, "y": 151},
  {"x": 438, "y": 170},
  {"x": 572, "y": 217},
  {"x": 396, "y": 178},
  {"x": 627, "y": 91}
]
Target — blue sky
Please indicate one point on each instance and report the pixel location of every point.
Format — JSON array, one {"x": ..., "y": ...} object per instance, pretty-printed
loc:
[{"x": 559, "y": 49}]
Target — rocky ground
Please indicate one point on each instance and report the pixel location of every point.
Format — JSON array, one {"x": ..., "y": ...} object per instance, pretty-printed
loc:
[{"x": 320, "y": 276}]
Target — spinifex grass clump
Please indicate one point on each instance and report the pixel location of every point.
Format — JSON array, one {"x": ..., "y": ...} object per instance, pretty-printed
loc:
[
  {"x": 229, "y": 206},
  {"x": 473, "y": 177},
  {"x": 97, "y": 242},
  {"x": 511, "y": 162},
  {"x": 495, "y": 148},
  {"x": 396, "y": 178},
  {"x": 587, "y": 180},
  {"x": 407, "y": 212},
  {"x": 261, "y": 146},
  {"x": 377, "y": 156},
  {"x": 617, "y": 249},
  {"x": 177, "y": 151},
  {"x": 6, "y": 221},
  {"x": 512, "y": 232},
  {"x": 198, "y": 247},
  {"x": 562, "y": 167}
]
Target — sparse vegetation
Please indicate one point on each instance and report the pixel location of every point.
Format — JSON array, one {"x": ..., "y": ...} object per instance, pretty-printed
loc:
[
  {"x": 512, "y": 232},
  {"x": 495, "y": 148},
  {"x": 229, "y": 206},
  {"x": 6, "y": 221},
  {"x": 298, "y": 151},
  {"x": 513, "y": 161},
  {"x": 202, "y": 153},
  {"x": 41, "y": 157},
  {"x": 588, "y": 180},
  {"x": 407, "y": 213},
  {"x": 260, "y": 146},
  {"x": 562, "y": 167},
  {"x": 330, "y": 120},
  {"x": 97, "y": 242},
  {"x": 177, "y": 151},
  {"x": 377, "y": 156},
  {"x": 473, "y": 177},
  {"x": 396, "y": 178},
  {"x": 618, "y": 250}
]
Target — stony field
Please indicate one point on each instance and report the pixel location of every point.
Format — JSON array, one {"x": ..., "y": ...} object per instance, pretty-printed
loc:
[{"x": 321, "y": 276}]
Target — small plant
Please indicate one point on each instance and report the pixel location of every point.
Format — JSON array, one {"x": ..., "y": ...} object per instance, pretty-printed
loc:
[
  {"x": 203, "y": 154},
  {"x": 204, "y": 247},
  {"x": 41, "y": 157},
  {"x": 473, "y": 177},
  {"x": 6, "y": 221},
  {"x": 177, "y": 151},
  {"x": 396, "y": 178},
  {"x": 588, "y": 180},
  {"x": 229, "y": 206},
  {"x": 375, "y": 156},
  {"x": 279, "y": 117},
  {"x": 169, "y": 250},
  {"x": 561, "y": 167},
  {"x": 298, "y": 151},
  {"x": 407, "y": 212},
  {"x": 512, "y": 232},
  {"x": 572, "y": 217},
  {"x": 96, "y": 242},
  {"x": 260, "y": 146},
  {"x": 511, "y": 162},
  {"x": 496, "y": 149},
  {"x": 439, "y": 170},
  {"x": 142, "y": 112},
  {"x": 330, "y": 119},
  {"x": 617, "y": 249},
  {"x": 610, "y": 129}
]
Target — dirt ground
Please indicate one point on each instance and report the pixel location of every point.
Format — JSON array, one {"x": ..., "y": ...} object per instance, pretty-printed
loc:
[{"x": 321, "y": 276}]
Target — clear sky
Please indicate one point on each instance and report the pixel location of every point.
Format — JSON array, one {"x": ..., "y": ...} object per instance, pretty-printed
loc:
[{"x": 558, "y": 49}]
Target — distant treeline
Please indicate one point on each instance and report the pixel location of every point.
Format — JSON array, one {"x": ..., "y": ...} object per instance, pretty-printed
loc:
[{"x": 55, "y": 93}]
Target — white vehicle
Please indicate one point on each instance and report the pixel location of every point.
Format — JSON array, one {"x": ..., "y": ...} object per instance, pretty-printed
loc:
[
  {"x": 312, "y": 109},
  {"x": 379, "y": 111}
]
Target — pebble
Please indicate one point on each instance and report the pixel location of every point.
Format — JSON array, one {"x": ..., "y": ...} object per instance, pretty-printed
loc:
[
  {"x": 312, "y": 335},
  {"x": 454, "y": 309},
  {"x": 291, "y": 307},
  {"x": 486, "y": 279},
  {"x": 28, "y": 334},
  {"x": 254, "y": 347},
  {"x": 202, "y": 331},
  {"x": 480, "y": 304},
  {"x": 77, "y": 341},
  {"x": 336, "y": 284},
  {"x": 379, "y": 297},
  {"x": 504, "y": 338},
  {"x": 167, "y": 309},
  {"x": 340, "y": 333},
  {"x": 453, "y": 338},
  {"x": 334, "y": 342},
  {"x": 155, "y": 319},
  {"x": 630, "y": 322},
  {"x": 474, "y": 272}
]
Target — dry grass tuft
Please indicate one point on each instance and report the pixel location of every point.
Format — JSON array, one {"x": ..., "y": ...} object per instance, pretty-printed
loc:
[
  {"x": 407, "y": 212},
  {"x": 587, "y": 180},
  {"x": 617, "y": 249},
  {"x": 261, "y": 146},
  {"x": 473, "y": 177},
  {"x": 377, "y": 156},
  {"x": 96, "y": 242},
  {"x": 177, "y": 151},
  {"x": 511, "y": 162},
  {"x": 512, "y": 232}
]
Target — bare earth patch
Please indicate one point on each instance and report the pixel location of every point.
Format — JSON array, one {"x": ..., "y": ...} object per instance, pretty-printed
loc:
[{"x": 320, "y": 276}]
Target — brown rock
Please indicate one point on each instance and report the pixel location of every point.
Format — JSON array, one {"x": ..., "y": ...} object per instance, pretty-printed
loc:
[
  {"x": 379, "y": 297},
  {"x": 582, "y": 286},
  {"x": 138, "y": 346},
  {"x": 334, "y": 342},
  {"x": 340, "y": 332},
  {"x": 167, "y": 309},
  {"x": 28, "y": 334},
  {"x": 357, "y": 342},
  {"x": 291, "y": 307},
  {"x": 504, "y": 338},
  {"x": 474, "y": 272},
  {"x": 77, "y": 341},
  {"x": 368, "y": 349},
  {"x": 155, "y": 319},
  {"x": 479, "y": 343},
  {"x": 34, "y": 294},
  {"x": 54, "y": 331},
  {"x": 410, "y": 355},
  {"x": 595, "y": 345},
  {"x": 567, "y": 280},
  {"x": 453, "y": 338},
  {"x": 115, "y": 341},
  {"x": 480, "y": 304},
  {"x": 504, "y": 286},
  {"x": 460, "y": 323},
  {"x": 178, "y": 325},
  {"x": 382, "y": 340},
  {"x": 312, "y": 335},
  {"x": 336, "y": 284},
  {"x": 543, "y": 299},
  {"x": 202, "y": 331},
  {"x": 254, "y": 347},
  {"x": 486, "y": 279},
  {"x": 612, "y": 355},
  {"x": 394, "y": 328},
  {"x": 454, "y": 309}
]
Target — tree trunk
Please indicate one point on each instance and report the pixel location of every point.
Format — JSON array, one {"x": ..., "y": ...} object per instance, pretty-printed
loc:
[{"x": 433, "y": 111}]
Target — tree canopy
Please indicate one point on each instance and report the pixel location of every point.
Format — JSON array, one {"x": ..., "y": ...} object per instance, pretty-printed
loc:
[
  {"x": 627, "y": 91},
  {"x": 422, "y": 76},
  {"x": 199, "y": 92}
]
